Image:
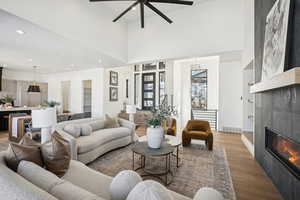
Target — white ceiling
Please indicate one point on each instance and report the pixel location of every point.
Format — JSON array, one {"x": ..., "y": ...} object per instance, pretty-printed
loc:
[
  {"x": 47, "y": 50},
  {"x": 51, "y": 51},
  {"x": 118, "y": 7}
]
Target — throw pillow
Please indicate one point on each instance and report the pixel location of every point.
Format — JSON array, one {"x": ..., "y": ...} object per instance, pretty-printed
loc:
[
  {"x": 149, "y": 190},
  {"x": 123, "y": 183},
  {"x": 73, "y": 129},
  {"x": 208, "y": 193},
  {"x": 111, "y": 122},
  {"x": 56, "y": 154},
  {"x": 27, "y": 149},
  {"x": 86, "y": 130},
  {"x": 97, "y": 124}
]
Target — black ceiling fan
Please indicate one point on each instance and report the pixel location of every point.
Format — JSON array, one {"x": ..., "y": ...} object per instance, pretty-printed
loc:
[{"x": 149, "y": 5}]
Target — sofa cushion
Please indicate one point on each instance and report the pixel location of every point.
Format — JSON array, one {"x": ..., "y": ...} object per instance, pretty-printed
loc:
[
  {"x": 149, "y": 190},
  {"x": 92, "y": 181},
  {"x": 73, "y": 129},
  {"x": 38, "y": 176},
  {"x": 86, "y": 130},
  {"x": 68, "y": 191},
  {"x": 56, "y": 154},
  {"x": 97, "y": 125},
  {"x": 14, "y": 186},
  {"x": 97, "y": 138},
  {"x": 123, "y": 183}
]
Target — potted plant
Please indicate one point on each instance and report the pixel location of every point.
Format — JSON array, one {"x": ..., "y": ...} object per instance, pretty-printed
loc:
[
  {"x": 155, "y": 132},
  {"x": 8, "y": 101},
  {"x": 51, "y": 104}
]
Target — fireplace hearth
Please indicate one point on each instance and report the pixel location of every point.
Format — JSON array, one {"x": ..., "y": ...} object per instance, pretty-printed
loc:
[{"x": 284, "y": 149}]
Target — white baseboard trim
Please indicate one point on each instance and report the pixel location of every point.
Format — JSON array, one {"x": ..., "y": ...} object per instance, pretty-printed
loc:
[{"x": 248, "y": 144}]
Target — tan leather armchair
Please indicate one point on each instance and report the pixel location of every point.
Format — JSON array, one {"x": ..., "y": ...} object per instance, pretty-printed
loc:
[
  {"x": 199, "y": 130},
  {"x": 170, "y": 127}
]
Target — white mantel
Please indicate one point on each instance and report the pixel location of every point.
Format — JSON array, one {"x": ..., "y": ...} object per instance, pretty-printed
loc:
[{"x": 287, "y": 78}]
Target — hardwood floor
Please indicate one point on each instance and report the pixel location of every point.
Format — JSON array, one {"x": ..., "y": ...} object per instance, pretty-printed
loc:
[
  {"x": 249, "y": 180},
  {"x": 3, "y": 134}
]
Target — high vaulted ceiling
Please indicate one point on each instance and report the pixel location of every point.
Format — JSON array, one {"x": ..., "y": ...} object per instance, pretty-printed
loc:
[{"x": 43, "y": 48}]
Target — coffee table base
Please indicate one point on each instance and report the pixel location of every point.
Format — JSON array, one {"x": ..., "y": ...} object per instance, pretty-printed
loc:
[{"x": 162, "y": 176}]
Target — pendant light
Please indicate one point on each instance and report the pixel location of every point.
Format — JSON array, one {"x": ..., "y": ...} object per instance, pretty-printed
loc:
[{"x": 34, "y": 87}]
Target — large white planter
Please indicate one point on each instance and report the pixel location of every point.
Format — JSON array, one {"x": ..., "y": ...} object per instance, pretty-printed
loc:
[{"x": 155, "y": 137}]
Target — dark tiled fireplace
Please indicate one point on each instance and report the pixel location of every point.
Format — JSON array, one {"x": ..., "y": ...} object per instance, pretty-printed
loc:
[{"x": 284, "y": 149}]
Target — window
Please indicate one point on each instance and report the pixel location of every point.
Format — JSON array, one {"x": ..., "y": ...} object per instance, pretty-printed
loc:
[
  {"x": 137, "y": 89},
  {"x": 199, "y": 89},
  {"x": 162, "y": 86},
  {"x": 148, "y": 95},
  {"x": 149, "y": 66}
]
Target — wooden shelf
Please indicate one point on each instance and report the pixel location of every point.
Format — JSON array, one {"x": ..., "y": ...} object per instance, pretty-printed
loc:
[{"x": 288, "y": 78}]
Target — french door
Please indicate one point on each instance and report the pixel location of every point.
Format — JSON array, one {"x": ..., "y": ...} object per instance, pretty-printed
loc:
[{"x": 148, "y": 91}]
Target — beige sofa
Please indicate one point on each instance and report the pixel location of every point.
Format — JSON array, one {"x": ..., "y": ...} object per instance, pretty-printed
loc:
[
  {"x": 79, "y": 183},
  {"x": 88, "y": 148}
]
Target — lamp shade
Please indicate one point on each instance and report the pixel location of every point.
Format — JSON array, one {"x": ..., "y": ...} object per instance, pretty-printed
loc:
[
  {"x": 131, "y": 109},
  {"x": 34, "y": 88},
  {"x": 44, "y": 118}
]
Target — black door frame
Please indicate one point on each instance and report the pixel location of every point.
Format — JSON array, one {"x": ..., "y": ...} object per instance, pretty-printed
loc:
[{"x": 143, "y": 89}]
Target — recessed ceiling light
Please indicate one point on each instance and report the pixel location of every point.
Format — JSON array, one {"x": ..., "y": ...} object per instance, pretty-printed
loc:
[
  {"x": 133, "y": 8},
  {"x": 20, "y": 32}
]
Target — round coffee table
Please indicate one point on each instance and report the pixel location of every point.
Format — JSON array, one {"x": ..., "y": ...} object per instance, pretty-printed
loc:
[
  {"x": 142, "y": 149},
  {"x": 169, "y": 139}
]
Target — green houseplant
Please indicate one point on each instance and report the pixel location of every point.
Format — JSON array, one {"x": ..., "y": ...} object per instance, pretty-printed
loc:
[
  {"x": 7, "y": 100},
  {"x": 51, "y": 104}
]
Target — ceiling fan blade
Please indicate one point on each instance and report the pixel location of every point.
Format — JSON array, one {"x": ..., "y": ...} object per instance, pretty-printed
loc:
[
  {"x": 142, "y": 15},
  {"x": 109, "y": 0},
  {"x": 158, "y": 12},
  {"x": 125, "y": 11},
  {"x": 172, "y": 2}
]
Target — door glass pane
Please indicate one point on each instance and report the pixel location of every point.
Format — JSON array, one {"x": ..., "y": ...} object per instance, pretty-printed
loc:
[
  {"x": 148, "y": 78},
  {"x": 148, "y": 103},
  {"x": 199, "y": 89},
  {"x": 148, "y": 95},
  {"x": 149, "y": 86}
]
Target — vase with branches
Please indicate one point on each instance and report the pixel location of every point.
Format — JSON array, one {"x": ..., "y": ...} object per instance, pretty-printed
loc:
[{"x": 155, "y": 132}]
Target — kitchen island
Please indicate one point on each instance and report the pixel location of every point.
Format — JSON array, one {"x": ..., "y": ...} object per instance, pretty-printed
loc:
[{"x": 5, "y": 112}]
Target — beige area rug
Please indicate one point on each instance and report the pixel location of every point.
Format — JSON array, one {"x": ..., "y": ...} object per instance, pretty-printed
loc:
[
  {"x": 3, "y": 144},
  {"x": 199, "y": 168}
]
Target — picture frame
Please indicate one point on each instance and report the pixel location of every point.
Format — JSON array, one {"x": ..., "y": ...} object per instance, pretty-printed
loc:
[
  {"x": 113, "y": 94},
  {"x": 113, "y": 78},
  {"x": 276, "y": 43}
]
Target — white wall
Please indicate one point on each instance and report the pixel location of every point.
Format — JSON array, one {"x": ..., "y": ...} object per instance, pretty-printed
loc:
[
  {"x": 182, "y": 85},
  {"x": 114, "y": 107},
  {"x": 248, "y": 53},
  {"x": 206, "y": 28},
  {"x": 76, "y": 90},
  {"x": 231, "y": 91}
]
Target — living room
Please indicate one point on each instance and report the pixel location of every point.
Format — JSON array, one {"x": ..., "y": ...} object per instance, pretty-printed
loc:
[{"x": 158, "y": 99}]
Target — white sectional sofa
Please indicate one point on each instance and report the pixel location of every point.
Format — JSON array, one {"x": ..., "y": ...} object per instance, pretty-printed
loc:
[
  {"x": 88, "y": 148},
  {"x": 79, "y": 183}
]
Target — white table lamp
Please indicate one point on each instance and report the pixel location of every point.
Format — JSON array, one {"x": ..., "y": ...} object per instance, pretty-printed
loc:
[
  {"x": 131, "y": 110},
  {"x": 44, "y": 119}
]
